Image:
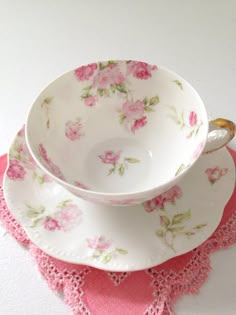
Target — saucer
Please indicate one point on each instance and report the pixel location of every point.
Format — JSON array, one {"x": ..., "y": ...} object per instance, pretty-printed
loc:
[{"x": 117, "y": 238}]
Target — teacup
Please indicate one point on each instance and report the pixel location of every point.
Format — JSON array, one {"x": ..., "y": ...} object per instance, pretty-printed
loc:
[{"x": 120, "y": 132}]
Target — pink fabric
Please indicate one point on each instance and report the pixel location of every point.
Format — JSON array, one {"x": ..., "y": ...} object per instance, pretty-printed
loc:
[{"x": 150, "y": 292}]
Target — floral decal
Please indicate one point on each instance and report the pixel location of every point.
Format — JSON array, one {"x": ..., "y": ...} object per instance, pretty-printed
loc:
[
  {"x": 133, "y": 114},
  {"x": 159, "y": 201},
  {"x": 109, "y": 78},
  {"x": 50, "y": 164},
  {"x": 73, "y": 129},
  {"x": 15, "y": 170},
  {"x": 22, "y": 162},
  {"x": 102, "y": 249},
  {"x": 140, "y": 70},
  {"x": 46, "y": 107},
  {"x": 113, "y": 158},
  {"x": 189, "y": 122},
  {"x": 65, "y": 218},
  {"x": 172, "y": 223},
  {"x": 214, "y": 174}
]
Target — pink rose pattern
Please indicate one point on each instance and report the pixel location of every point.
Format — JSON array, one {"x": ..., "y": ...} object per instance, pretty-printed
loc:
[
  {"x": 65, "y": 219},
  {"x": 73, "y": 129},
  {"x": 53, "y": 168},
  {"x": 101, "y": 249},
  {"x": 21, "y": 161},
  {"x": 158, "y": 202},
  {"x": 140, "y": 70},
  {"x": 172, "y": 223},
  {"x": 214, "y": 174},
  {"x": 186, "y": 121},
  {"x": 109, "y": 78},
  {"x": 113, "y": 158},
  {"x": 15, "y": 170}
]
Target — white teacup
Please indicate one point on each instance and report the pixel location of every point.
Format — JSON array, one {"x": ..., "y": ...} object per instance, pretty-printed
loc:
[{"x": 120, "y": 132}]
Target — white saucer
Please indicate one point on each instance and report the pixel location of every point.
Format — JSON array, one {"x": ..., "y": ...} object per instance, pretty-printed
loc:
[{"x": 117, "y": 238}]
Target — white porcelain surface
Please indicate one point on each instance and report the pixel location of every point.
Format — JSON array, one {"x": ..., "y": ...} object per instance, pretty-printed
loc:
[{"x": 118, "y": 238}]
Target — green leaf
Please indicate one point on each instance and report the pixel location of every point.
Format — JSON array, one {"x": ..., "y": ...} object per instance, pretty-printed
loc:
[
  {"x": 122, "y": 118},
  {"x": 107, "y": 258},
  {"x": 102, "y": 66},
  {"x": 189, "y": 233},
  {"x": 179, "y": 84},
  {"x": 112, "y": 62},
  {"x": 121, "y": 88},
  {"x": 199, "y": 226},
  {"x": 113, "y": 88},
  {"x": 32, "y": 214},
  {"x": 181, "y": 217},
  {"x": 132, "y": 160},
  {"x": 122, "y": 251},
  {"x": 48, "y": 100},
  {"x": 154, "y": 100},
  {"x": 64, "y": 203},
  {"x": 148, "y": 109},
  {"x": 164, "y": 220},
  {"x": 180, "y": 169},
  {"x": 145, "y": 100},
  {"x": 101, "y": 92},
  {"x": 121, "y": 170},
  {"x": 176, "y": 229},
  {"x": 160, "y": 233}
]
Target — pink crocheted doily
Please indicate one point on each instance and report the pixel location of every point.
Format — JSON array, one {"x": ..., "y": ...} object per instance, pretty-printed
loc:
[{"x": 150, "y": 292}]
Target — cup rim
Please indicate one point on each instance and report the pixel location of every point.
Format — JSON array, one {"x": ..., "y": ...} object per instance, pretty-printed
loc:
[{"x": 130, "y": 194}]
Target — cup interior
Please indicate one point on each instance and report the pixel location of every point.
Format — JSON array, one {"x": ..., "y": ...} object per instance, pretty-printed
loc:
[{"x": 117, "y": 127}]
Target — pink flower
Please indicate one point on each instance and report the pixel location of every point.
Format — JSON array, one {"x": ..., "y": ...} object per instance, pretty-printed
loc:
[
  {"x": 110, "y": 157},
  {"x": 85, "y": 72},
  {"x": 90, "y": 100},
  {"x": 73, "y": 129},
  {"x": 214, "y": 174},
  {"x": 139, "y": 123},
  {"x": 51, "y": 224},
  {"x": 133, "y": 111},
  {"x": 16, "y": 171},
  {"x": 140, "y": 70},
  {"x": 192, "y": 119},
  {"x": 159, "y": 201},
  {"x": 99, "y": 243},
  {"x": 107, "y": 77},
  {"x": 173, "y": 193},
  {"x": 81, "y": 185},
  {"x": 67, "y": 214},
  {"x": 43, "y": 153}
]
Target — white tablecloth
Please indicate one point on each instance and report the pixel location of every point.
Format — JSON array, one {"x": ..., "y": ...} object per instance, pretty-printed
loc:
[{"x": 39, "y": 40}]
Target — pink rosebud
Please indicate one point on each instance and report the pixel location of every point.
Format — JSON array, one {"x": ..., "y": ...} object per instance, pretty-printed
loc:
[
  {"x": 73, "y": 129},
  {"x": 85, "y": 72},
  {"x": 133, "y": 111},
  {"x": 108, "y": 76},
  {"x": 99, "y": 243},
  {"x": 51, "y": 224},
  {"x": 215, "y": 173},
  {"x": 43, "y": 153},
  {"x": 110, "y": 157},
  {"x": 139, "y": 123},
  {"x": 192, "y": 118},
  {"x": 90, "y": 100},
  {"x": 15, "y": 170},
  {"x": 140, "y": 70}
]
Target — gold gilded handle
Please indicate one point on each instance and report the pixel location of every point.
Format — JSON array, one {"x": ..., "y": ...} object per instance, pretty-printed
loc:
[{"x": 221, "y": 132}]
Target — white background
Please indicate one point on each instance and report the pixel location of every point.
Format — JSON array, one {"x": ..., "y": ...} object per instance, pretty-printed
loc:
[{"x": 41, "y": 39}]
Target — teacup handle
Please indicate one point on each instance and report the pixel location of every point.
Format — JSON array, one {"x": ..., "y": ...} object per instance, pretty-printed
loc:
[{"x": 221, "y": 131}]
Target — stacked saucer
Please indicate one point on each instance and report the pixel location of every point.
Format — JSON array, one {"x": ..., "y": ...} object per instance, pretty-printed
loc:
[{"x": 109, "y": 171}]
